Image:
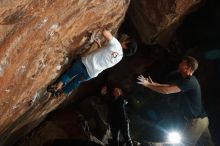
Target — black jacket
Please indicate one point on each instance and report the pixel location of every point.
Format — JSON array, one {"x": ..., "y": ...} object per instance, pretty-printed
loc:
[{"x": 117, "y": 112}]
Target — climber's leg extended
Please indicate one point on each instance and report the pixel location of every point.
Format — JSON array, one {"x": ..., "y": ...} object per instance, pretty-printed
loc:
[
  {"x": 80, "y": 77},
  {"x": 75, "y": 83},
  {"x": 70, "y": 79}
]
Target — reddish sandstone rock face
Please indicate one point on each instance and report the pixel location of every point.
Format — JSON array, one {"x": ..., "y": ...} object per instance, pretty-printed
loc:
[
  {"x": 37, "y": 41},
  {"x": 156, "y": 20}
]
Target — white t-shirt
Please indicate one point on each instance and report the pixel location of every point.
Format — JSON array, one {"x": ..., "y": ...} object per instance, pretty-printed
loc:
[{"x": 103, "y": 58}]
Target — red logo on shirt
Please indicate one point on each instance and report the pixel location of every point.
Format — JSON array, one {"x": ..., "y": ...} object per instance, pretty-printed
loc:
[{"x": 114, "y": 54}]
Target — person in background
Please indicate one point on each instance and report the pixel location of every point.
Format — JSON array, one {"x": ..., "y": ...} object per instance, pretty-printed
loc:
[{"x": 118, "y": 119}]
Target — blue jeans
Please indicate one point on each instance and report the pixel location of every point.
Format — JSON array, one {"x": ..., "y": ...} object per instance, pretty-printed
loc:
[{"x": 74, "y": 76}]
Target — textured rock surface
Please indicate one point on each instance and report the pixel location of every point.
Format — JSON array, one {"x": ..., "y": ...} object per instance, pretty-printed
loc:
[
  {"x": 83, "y": 124},
  {"x": 66, "y": 124},
  {"x": 37, "y": 40},
  {"x": 156, "y": 20}
]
